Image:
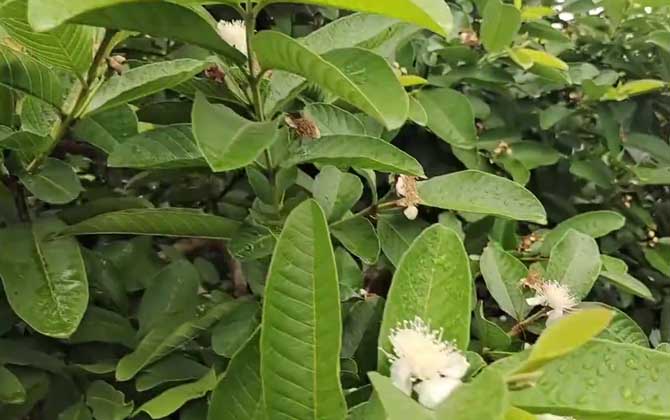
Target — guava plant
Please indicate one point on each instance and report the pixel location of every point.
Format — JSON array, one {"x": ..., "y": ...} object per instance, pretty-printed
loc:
[{"x": 334, "y": 209}]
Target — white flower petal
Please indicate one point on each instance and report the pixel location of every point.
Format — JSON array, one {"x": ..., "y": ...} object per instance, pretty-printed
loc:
[
  {"x": 434, "y": 391},
  {"x": 457, "y": 366},
  {"x": 234, "y": 33},
  {"x": 552, "y": 417},
  {"x": 537, "y": 300},
  {"x": 554, "y": 315},
  {"x": 401, "y": 376}
]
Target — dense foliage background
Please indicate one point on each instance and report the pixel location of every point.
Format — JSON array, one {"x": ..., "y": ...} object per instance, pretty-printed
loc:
[{"x": 228, "y": 221}]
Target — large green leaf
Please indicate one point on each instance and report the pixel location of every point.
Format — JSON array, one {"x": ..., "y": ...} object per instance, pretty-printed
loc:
[
  {"x": 69, "y": 47},
  {"x": 106, "y": 130},
  {"x": 301, "y": 335},
  {"x": 485, "y": 398},
  {"x": 480, "y": 192},
  {"x": 143, "y": 81},
  {"x": 450, "y": 116},
  {"x": 238, "y": 396},
  {"x": 174, "y": 398},
  {"x": 358, "y": 235},
  {"x": 11, "y": 389},
  {"x": 159, "y": 18},
  {"x": 168, "y": 147},
  {"x": 396, "y": 234},
  {"x": 432, "y": 282},
  {"x": 103, "y": 326},
  {"x": 566, "y": 335},
  {"x": 602, "y": 380},
  {"x": 575, "y": 262},
  {"x": 228, "y": 141},
  {"x": 333, "y": 120},
  {"x": 361, "y": 152},
  {"x": 500, "y": 24},
  {"x": 629, "y": 284},
  {"x": 430, "y": 14},
  {"x": 158, "y": 222},
  {"x": 54, "y": 182},
  {"x": 502, "y": 273},
  {"x": 345, "y": 32},
  {"x": 336, "y": 191},
  {"x": 44, "y": 278},
  {"x": 233, "y": 331},
  {"x": 165, "y": 339},
  {"x": 360, "y": 77},
  {"x": 174, "y": 368},
  {"x": 622, "y": 328},
  {"x": 29, "y": 76},
  {"x": 592, "y": 223},
  {"x": 106, "y": 402}
]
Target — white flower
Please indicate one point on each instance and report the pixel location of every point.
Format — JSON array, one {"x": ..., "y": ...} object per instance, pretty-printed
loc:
[
  {"x": 234, "y": 33},
  {"x": 419, "y": 354},
  {"x": 552, "y": 417},
  {"x": 555, "y": 296},
  {"x": 411, "y": 212},
  {"x": 433, "y": 391}
]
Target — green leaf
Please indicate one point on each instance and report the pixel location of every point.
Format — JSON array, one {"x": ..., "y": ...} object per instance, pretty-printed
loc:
[
  {"x": 171, "y": 297},
  {"x": 233, "y": 331},
  {"x": 553, "y": 115},
  {"x": 575, "y": 263},
  {"x": 336, "y": 191},
  {"x": 566, "y": 335},
  {"x": 239, "y": 394},
  {"x": 500, "y": 24},
  {"x": 157, "y": 222},
  {"x": 107, "y": 403},
  {"x": 502, "y": 273},
  {"x": 480, "y": 192},
  {"x": 417, "y": 112},
  {"x": 77, "y": 411},
  {"x": 173, "y": 368},
  {"x": 622, "y": 329},
  {"x": 593, "y": 223},
  {"x": 360, "y": 77},
  {"x": 629, "y": 284},
  {"x": 614, "y": 381},
  {"x": 301, "y": 335},
  {"x": 55, "y": 182},
  {"x": 348, "y": 31},
  {"x": 358, "y": 235},
  {"x": 485, "y": 398},
  {"x": 432, "y": 282},
  {"x": 11, "y": 389},
  {"x": 143, "y": 81},
  {"x": 652, "y": 145},
  {"x": 69, "y": 47},
  {"x": 488, "y": 332},
  {"x": 191, "y": 24},
  {"x": 170, "y": 147},
  {"x": 103, "y": 326},
  {"x": 106, "y": 130},
  {"x": 652, "y": 176},
  {"x": 633, "y": 88},
  {"x": 174, "y": 398},
  {"x": 450, "y": 116},
  {"x": 430, "y": 14},
  {"x": 397, "y": 405},
  {"x": 23, "y": 353},
  {"x": 227, "y": 140},
  {"x": 29, "y": 76},
  {"x": 527, "y": 58},
  {"x": 658, "y": 257},
  {"x": 360, "y": 152},
  {"x": 533, "y": 154},
  {"x": 44, "y": 278},
  {"x": 396, "y": 234},
  {"x": 165, "y": 339},
  {"x": 333, "y": 120}
]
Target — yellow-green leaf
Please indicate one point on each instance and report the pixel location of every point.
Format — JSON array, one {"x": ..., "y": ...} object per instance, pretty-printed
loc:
[{"x": 526, "y": 58}]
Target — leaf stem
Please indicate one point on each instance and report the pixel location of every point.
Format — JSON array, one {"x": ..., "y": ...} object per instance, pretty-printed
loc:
[
  {"x": 516, "y": 330},
  {"x": 83, "y": 98}
]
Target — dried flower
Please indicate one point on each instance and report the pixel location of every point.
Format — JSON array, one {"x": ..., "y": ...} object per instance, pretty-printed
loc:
[
  {"x": 215, "y": 74},
  {"x": 405, "y": 187},
  {"x": 503, "y": 148},
  {"x": 554, "y": 295},
  {"x": 469, "y": 38},
  {"x": 422, "y": 361},
  {"x": 234, "y": 33},
  {"x": 116, "y": 63},
  {"x": 304, "y": 127}
]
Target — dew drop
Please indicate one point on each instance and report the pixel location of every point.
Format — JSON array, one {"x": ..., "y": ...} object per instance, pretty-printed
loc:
[
  {"x": 632, "y": 364},
  {"x": 626, "y": 393}
]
